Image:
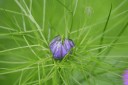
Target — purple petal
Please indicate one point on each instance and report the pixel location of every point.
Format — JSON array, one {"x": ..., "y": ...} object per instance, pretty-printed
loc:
[
  {"x": 60, "y": 51},
  {"x": 56, "y": 39},
  {"x": 68, "y": 44},
  {"x": 53, "y": 47},
  {"x": 125, "y": 77},
  {"x": 63, "y": 51},
  {"x": 54, "y": 43}
]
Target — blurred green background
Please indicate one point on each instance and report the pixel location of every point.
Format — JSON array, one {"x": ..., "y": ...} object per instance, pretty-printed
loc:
[{"x": 101, "y": 41}]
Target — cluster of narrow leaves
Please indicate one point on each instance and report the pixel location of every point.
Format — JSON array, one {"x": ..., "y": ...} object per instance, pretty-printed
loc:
[{"x": 28, "y": 26}]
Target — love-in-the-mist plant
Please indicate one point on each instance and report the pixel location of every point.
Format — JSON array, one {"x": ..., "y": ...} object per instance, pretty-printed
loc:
[{"x": 92, "y": 51}]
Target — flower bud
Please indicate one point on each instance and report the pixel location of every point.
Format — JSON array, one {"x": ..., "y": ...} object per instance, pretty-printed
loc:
[{"x": 59, "y": 49}]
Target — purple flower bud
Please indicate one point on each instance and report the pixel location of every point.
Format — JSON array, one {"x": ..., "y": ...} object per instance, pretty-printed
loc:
[
  {"x": 59, "y": 49},
  {"x": 125, "y": 77}
]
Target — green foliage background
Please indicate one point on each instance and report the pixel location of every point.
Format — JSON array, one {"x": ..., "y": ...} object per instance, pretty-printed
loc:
[{"x": 97, "y": 27}]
